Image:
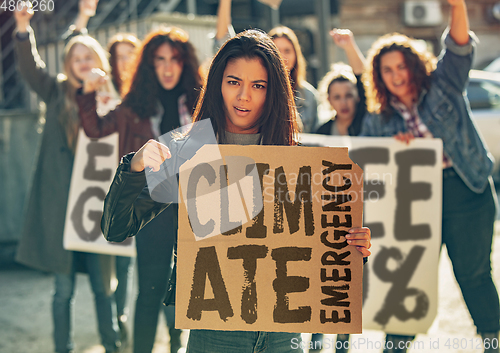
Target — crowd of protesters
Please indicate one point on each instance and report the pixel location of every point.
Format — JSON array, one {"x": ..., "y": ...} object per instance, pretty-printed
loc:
[{"x": 156, "y": 86}]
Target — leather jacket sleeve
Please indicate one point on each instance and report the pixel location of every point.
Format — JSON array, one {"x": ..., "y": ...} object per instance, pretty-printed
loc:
[{"x": 128, "y": 206}]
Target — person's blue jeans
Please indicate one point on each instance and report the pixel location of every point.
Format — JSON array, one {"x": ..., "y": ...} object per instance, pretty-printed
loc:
[
  {"x": 123, "y": 275},
  {"x": 211, "y": 341},
  {"x": 468, "y": 227},
  {"x": 63, "y": 302}
]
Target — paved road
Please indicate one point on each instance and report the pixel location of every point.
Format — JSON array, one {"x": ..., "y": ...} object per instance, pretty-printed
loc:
[{"x": 26, "y": 325}]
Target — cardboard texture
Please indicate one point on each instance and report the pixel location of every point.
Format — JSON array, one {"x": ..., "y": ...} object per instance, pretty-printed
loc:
[
  {"x": 403, "y": 200},
  {"x": 282, "y": 265},
  {"x": 93, "y": 171}
]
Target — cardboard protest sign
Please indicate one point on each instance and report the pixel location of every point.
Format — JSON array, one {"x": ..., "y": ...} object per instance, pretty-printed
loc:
[
  {"x": 403, "y": 193},
  {"x": 282, "y": 262},
  {"x": 93, "y": 171}
]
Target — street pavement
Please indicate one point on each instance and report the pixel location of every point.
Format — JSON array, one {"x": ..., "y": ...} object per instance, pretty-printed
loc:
[{"x": 26, "y": 324}]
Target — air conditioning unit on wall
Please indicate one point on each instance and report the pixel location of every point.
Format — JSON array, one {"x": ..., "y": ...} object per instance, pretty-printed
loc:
[{"x": 423, "y": 13}]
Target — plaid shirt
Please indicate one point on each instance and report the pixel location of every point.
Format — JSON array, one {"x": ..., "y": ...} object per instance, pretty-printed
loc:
[{"x": 414, "y": 124}]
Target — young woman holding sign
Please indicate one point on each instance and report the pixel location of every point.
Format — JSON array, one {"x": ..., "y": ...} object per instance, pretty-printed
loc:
[
  {"x": 41, "y": 244},
  {"x": 159, "y": 96},
  {"x": 411, "y": 97},
  {"x": 247, "y": 99}
]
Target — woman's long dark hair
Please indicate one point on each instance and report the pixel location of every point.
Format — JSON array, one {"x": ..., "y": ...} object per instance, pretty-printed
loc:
[
  {"x": 141, "y": 91},
  {"x": 277, "y": 124}
]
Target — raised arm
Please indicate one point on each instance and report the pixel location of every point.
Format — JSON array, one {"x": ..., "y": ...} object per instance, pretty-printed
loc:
[
  {"x": 23, "y": 18},
  {"x": 30, "y": 64},
  {"x": 456, "y": 59},
  {"x": 459, "y": 22},
  {"x": 223, "y": 19},
  {"x": 86, "y": 9},
  {"x": 344, "y": 39}
]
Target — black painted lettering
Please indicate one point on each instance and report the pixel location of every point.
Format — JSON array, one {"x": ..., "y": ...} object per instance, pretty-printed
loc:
[
  {"x": 302, "y": 199},
  {"x": 333, "y": 188},
  {"x": 284, "y": 284},
  {"x": 336, "y": 275},
  {"x": 336, "y": 221},
  {"x": 337, "y": 200},
  {"x": 77, "y": 215},
  {"x": 328, "y": 243},
  {"x": 258, "y": 229},
  {"x": 94, "y": 150},
  {"x": 249, "y": 254},
  {"x": 335, "y": 317},
  {"x": 400, "y": 278},
  {"x": 207, "y": 265},
  {"x": 336, "y": 298},
  {"x": 408, "y": 191},
  {"x": 372, "y": 155},
  {"x": 332, "y": 167},
  {"x": 333, "y": 258}
]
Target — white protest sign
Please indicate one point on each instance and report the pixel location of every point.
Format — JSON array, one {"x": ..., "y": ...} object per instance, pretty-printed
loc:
[
  {"x": 93, "y": 171},
  {"x": 403, "y": 192}
]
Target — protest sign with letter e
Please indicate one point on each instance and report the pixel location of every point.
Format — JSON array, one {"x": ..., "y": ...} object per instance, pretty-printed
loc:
[
  {"x": 261, "y": 241},
  {"x": 93, "y": 170},
  {"x": 403, "y": 198}
]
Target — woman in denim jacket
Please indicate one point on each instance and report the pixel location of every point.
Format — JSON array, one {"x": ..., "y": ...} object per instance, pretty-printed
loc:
[{"x": 412, "y": 97}]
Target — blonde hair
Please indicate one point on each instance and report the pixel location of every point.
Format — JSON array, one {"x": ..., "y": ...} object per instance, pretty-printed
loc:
[
  {"x": 97, "y": 50},
  {"x": 298, "y": 72},
  {"x": 69, "y": 119}
]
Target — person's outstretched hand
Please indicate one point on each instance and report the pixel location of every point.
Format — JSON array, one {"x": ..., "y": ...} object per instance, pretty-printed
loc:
[
  {"x": 404, "y": 137},
  {"x": 151, "y": 155},
  {"x": 87, "y": 7},
  {"x": 342, "y": 38},
  {"x": 23, "y": 16},
  {"x": 94, "y": 80},
  {"x": 361, "y": 239}
]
